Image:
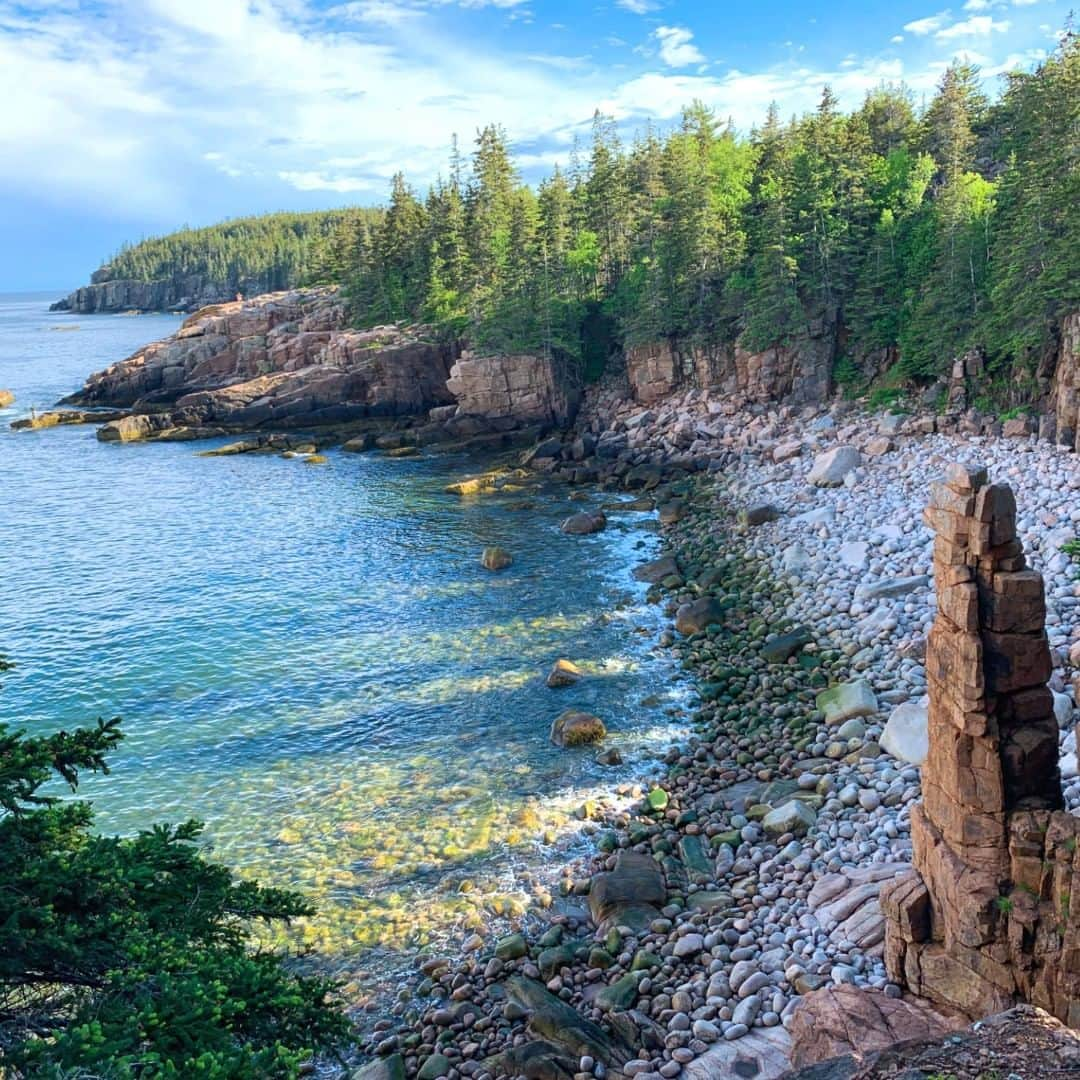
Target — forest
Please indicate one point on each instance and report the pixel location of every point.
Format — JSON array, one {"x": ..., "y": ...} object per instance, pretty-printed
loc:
[
  {"x": 915, "y": 233},
  {"x": 256, "y": 254}
]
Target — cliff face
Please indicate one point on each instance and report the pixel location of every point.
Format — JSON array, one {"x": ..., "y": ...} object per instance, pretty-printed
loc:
[
  {"x": 799, "y": 373},
  {"x": 286, "y": 360}
]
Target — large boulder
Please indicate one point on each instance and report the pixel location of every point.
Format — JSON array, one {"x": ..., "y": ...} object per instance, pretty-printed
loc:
[
  {"x": 695, "y": 616},
  {"x": 564, "y": 673},
  {"x": 847, "y": 1020},
  {"x": 845, "y": 700},
  {"x": 585, "y": 522},
  {"x": 655, "y": 571},
  {"x": 793, "y": 817},
  {"x": 905, "y": 735},
  {"x": 830, "y": 468},
  {"x": 631, "y": 894},
  {"x": 784, "y": 646}
]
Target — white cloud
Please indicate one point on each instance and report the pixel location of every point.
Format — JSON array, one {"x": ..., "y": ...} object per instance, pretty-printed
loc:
[
  {"x": 977, "y": 5},
  {"x": 173, "y": 110},
  {"x": 1024, "y": 3},
  {"x": 377, "y": 12},
  {"x": 976, "y": 26},
  {"x": 638, "y": 7},
  {"x": 896, "y": 38},
  {"x": 676, "y": 49},
  {"x": 317, "y": 181},
  {"x": 921, "y": 27}
]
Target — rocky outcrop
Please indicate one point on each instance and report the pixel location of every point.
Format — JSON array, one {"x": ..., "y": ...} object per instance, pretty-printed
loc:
[
  {"x": 187, "y": 294},
  {"x": 798, "y": 373},
  {"x": 287, "y": 360},
  {"x": 838, "y": 1021},
  {"x": 985, "y": 919},
  {"x": 521, "y": 387},
  {"x": 1065, "y": 389},
  {"x": 1023, "y": 1041}
]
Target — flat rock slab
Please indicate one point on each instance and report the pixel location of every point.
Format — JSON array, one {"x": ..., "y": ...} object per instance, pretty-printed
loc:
[
  {"x": 554, "y": 1021},
  {"x": 631, "y": 894},
  {"x": 890, "y": 587},
  {"x": 782, "y": 648},
  {"x": 762, "y": 1054},
  {"x": 839, "y": 1020}
]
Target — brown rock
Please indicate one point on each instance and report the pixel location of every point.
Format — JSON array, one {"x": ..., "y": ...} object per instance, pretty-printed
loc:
[
  {"x": 573, "y": 728},
  {"x": 585, "y": 522},
  {"x": 841, "y": 1020},
  {"x": 564, "y": 673},
  {"x": 496, "y": 558},
  {"x": 695, "y": 616}
]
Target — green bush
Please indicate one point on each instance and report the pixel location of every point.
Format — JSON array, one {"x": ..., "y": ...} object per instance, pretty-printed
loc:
[{"x": 131, "y": 956}]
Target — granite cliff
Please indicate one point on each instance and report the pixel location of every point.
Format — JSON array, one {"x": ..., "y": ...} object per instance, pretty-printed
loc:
[{"x": 287, "y": 360}]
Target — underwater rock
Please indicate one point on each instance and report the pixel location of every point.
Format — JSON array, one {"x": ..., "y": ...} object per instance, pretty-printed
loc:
[
  {"x": 573, "y": 728},
  {"x": 496, "y": 558}
]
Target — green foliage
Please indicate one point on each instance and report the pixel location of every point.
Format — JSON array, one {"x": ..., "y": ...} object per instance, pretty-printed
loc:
[
  {"x": 1004, "y": 905},
  {"x": 130, "y": 955},
  {"x": 882, "y": 397},
  {"x": 1072, "y": 548},
  {"x": 250, "y": 255},
  {"x": 915, "y": 236}
]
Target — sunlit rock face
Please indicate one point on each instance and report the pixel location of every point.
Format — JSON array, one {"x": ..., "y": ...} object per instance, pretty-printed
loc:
[
  {"x": 287, "y": 359},
  {"x": 520, "y": 387}
]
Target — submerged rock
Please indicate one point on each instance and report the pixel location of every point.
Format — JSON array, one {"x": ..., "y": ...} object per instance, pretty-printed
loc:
[
  {"x": 574, "y": 728},
  {"x": 496, "y": 558}
]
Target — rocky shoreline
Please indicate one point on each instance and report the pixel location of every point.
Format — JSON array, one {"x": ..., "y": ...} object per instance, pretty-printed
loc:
[
  {"x": 749, "y": 877},
  {"x": 798, "y": 575}
]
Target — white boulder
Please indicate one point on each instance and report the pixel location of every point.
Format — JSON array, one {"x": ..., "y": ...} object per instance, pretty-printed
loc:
[
  {"x": 905, "y": 735},
  {"x": 830, "y": 468}
]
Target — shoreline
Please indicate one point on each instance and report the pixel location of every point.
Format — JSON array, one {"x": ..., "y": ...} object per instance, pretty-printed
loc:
[
  {"x": 738, "y": 985},
  {"x": 778, "y": 913}
]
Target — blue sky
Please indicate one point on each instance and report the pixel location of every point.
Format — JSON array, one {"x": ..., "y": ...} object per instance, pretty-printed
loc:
[{"x": 123, "y": 118}]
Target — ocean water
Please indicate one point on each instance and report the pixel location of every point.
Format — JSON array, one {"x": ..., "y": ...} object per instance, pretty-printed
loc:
[{"x": 310, "y": 658}]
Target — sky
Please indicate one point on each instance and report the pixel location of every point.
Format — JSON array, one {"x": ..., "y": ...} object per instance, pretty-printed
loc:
[{"x": 121, "y": 119}]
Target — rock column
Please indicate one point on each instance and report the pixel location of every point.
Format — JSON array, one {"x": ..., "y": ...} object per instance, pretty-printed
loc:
[{"x": 984, "y": 919}]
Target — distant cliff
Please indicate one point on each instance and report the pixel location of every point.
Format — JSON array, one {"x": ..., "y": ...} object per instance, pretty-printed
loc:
[{"x": 191, "y": 268}]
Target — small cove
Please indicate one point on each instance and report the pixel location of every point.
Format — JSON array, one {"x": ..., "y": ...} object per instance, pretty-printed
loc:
[{"x": 311, "y": 659}]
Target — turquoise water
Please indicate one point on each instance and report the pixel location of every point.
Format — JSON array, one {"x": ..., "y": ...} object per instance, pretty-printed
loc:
[{"x": 310, "y": 658}]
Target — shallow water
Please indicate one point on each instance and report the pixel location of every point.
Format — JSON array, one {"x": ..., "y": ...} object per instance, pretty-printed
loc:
[{"x": 310, "y": 658}]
